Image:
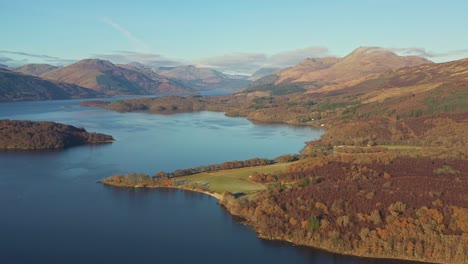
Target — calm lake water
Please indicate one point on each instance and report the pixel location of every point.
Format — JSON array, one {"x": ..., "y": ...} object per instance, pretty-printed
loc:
[{"x": 53, "y": 211}]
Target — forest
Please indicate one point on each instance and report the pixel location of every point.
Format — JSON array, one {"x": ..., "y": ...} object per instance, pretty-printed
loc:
[{"x": 29, "y": 135}]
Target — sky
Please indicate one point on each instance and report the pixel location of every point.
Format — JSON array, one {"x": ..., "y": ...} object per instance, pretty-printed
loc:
[{"x": 232, "y": 36}]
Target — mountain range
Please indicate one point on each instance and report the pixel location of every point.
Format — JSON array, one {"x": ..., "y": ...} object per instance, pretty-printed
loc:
[
  {"x": 103, "y": 78},
  {"x": 106, "y": 77},
  {"x": 315, "y": 73}
]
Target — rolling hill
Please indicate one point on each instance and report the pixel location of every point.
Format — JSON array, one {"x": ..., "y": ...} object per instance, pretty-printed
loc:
[
  {"x": 35, "y": 69},
  {"x": 16, "y": 86},
  {"x": 104, "y": 76}
]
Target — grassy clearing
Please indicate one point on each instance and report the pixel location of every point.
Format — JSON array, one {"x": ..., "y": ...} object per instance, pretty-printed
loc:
[
  {"x": 402, "y": 147},
  {"x": 235, "y": 180}
]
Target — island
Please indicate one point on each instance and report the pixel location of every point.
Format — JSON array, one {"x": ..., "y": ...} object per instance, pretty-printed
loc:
[{"x": 30, "y": 135}]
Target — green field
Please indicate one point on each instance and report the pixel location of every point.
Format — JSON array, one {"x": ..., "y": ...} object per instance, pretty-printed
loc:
[{"x": 235, "y": 180}]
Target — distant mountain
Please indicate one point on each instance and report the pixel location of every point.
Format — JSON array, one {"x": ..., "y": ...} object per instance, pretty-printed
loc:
[
  {"x": 3, "y": 66},
  {"x": 190, "y": 72},
  {"x": 316, "y": 73},
  {"x": 261, "y": 73},
  {"x": 103, "y": 76},
  {"x": 360, "y": 63},
  {"x": 16, "y": 86},
  {"x": 203, "y": 78},
  {"x": 35, "y": 69},
  {"x": 293, "y": 73}
]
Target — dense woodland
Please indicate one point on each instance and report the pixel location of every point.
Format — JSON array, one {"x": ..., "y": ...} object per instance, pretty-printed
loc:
[{"x": 29, "y": 135}]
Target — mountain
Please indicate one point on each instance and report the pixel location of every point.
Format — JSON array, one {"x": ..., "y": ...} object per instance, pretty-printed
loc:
[
  {"x": 35, "y": 69},
  {"x": 3, "y": 66},
  {"x": 315, "y": 73},
  {"x": 16, "y": 86},
  {"x": 203, "y": 78},
  {"x": 103, "y": 76},
  {"x": 261, "y": 73}
]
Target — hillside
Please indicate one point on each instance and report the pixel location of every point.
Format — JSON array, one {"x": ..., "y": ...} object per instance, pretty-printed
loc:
[
  {"x": 108, "y": 78},
  {"x": 16, "y": 86},
  {"x": 203, "y": 78},
  {"x": 408, "y": 92},
  {"x": 35, "y": 69},
  {"x": 28, "y": 135},
  {"x": 316, "y": 73}
]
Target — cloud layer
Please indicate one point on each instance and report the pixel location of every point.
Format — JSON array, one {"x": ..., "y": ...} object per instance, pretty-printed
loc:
[
  {"x": 247, "y": 63},
  {"x": 123, "y": 57},
  {"x": 422, "y": 52},
  {"x": 17, "y": 58}
]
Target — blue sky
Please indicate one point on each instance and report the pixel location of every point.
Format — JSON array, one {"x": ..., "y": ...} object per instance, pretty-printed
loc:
[{"x": 233, "y": 36}]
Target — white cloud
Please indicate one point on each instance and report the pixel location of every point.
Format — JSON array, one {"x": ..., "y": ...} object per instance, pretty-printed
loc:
[
  {"x": 124, "y": 57},
  {"x": 247, "y": 63},
  {"x": 422, "y": 52},
  {"x": 17, "y": 58}
]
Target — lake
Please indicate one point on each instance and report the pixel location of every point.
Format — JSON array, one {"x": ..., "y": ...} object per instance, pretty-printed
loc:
[{"x": 54, "y": 211}]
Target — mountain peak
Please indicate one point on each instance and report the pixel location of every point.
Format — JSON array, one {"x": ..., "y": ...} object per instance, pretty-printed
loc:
[
  {"x": 362, "y": 62},
  {"x": 95, "y": 62}
]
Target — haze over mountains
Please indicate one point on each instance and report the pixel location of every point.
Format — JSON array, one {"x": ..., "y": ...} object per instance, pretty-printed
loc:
[{"x": 107, "y": 79}]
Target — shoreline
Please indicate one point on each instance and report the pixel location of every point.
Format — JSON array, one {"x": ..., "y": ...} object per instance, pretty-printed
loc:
[{"x": 249, "y": 223}]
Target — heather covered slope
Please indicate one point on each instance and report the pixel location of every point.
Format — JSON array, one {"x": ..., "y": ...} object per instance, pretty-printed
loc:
[
  {"x": 28, "y": 135},
  {"x": 108, "y": 78},
  {"x": 16, "y": 86}
]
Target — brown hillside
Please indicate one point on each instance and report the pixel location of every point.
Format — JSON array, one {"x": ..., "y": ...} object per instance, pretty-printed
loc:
[
  {"x": 104, "y": 76},
  {"x": 360, "y": 63},
  {"x": 413, "y": 91},
  {"x": 15, "y": 86}
]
